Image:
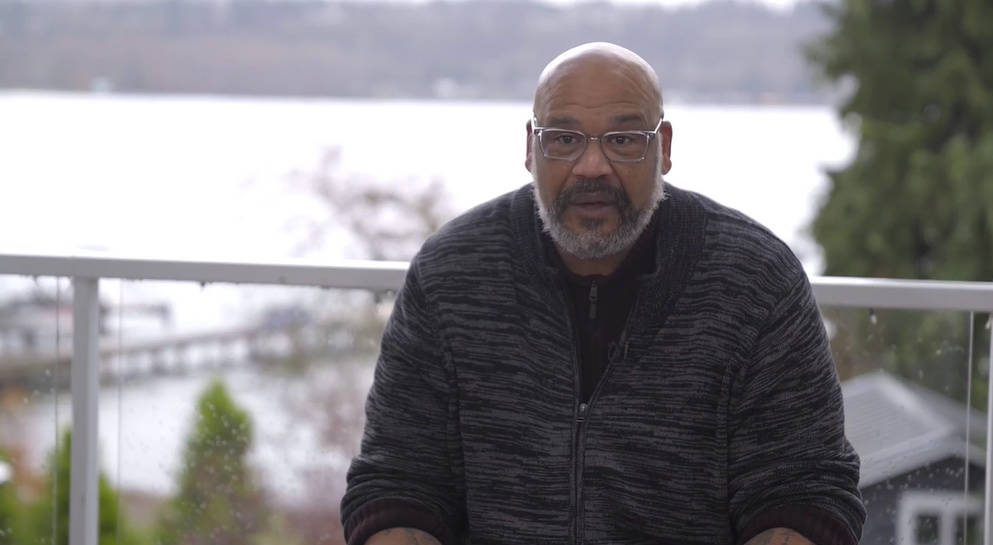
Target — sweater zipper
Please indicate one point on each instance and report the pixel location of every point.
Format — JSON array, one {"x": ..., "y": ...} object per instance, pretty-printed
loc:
[
  {"x": 580, "y": 454},
  {"x": 583, "y": 408},
  {"x": 579, "y": 457},
  {"x": 580, "y": 410},
  {"x": 593, "y": 300}
]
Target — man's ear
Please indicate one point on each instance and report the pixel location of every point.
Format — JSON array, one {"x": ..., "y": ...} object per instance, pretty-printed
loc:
[
  {"x": 665, "y": 135},
  {"x": 528, "y": 155}
]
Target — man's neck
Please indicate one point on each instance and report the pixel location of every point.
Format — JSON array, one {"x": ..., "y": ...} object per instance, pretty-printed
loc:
[{"x": 589, "y": 267}]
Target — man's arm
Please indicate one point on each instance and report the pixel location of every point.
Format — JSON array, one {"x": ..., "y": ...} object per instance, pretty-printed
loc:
[
  {"x": 407, "y": 473},
  {"x": 772, "y": 536},
  {"x": 790, "y": 465},
  {"x": 402, "y": 536}
]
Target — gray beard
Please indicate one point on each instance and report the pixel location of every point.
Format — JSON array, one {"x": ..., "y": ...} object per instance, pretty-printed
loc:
[{"x": 590, "y": 242}]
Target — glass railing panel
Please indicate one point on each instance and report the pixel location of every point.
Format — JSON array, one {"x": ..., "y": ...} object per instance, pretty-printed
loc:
[
  {"x": 909, "y": 379},
  {"x": 229, "y": 414},
  {"x": 35, "y": 346}
]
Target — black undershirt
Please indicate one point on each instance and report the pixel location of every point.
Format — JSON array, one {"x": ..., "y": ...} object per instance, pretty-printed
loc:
[{"x": 600, "y": 313}]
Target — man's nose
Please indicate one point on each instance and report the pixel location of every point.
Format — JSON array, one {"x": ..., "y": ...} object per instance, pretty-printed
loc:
[{"x": 592, "y": 163}]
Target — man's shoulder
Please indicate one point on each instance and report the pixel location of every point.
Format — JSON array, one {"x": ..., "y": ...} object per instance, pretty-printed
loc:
[
  {"x": 486, "y": 229},
  {"x": 486, "y": 219},
  {"x": 737, "y": 239},
  {"x": 723, "y": 219}
]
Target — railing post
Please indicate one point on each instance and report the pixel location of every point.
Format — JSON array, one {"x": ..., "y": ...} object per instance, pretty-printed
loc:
[
  {"x": 988, "y": 497},
  {"x": 83, "y": 486}
]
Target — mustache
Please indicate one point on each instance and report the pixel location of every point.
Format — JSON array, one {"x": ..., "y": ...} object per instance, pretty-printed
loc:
[{"x": 568, "y": 196}]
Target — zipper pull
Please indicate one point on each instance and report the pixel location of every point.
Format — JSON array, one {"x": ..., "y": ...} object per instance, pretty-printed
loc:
[
  {"x": 593, "y": 300},
  {"x": 582, "y": 413}
]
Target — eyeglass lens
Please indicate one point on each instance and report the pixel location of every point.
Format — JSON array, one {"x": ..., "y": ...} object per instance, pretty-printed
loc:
[{"x": 619, "y": 146}]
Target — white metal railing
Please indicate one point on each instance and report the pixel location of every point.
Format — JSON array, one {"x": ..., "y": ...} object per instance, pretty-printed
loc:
[{"x": 86, "y": 273}]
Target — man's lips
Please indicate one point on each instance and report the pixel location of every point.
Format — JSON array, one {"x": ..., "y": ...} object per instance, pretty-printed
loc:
[
  {"x": 594, "y": 205},
  {"x": 594, "y": 200}
]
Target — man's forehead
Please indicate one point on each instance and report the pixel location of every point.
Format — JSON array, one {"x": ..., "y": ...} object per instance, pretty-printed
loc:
[
  {"x": 596, "y": 77},
  {"x": 603, "y": 97},
  {"x": 567, "y": 119}
]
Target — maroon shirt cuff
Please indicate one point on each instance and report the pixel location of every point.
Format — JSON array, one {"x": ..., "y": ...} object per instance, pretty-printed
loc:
[
  {"x": 387, "y": 513},
  {"x": 818, "y": 525}
]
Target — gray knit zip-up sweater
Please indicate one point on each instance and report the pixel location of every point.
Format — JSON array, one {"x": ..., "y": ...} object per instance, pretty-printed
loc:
[{"x": 720, "y": 405}]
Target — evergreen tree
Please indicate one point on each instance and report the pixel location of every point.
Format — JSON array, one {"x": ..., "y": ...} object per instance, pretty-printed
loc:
[
  {"x": 917, "y": 200},
  {"x": 44, "y": 520},
  {"x": 219, "y": 501}
]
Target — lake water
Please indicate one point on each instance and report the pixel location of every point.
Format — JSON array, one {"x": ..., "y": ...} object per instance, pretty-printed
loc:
[
  {"x": 212, "y": 178},
  {"x": 208, "y": 177}
]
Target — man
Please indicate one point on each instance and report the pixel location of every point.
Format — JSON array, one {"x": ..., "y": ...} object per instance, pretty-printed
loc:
[{"x": 598, "y": 358}]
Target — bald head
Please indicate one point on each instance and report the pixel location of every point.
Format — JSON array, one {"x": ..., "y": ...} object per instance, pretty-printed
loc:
[
  {"x": 596, "y": 204},
  {"x": 594, "y": 62}
]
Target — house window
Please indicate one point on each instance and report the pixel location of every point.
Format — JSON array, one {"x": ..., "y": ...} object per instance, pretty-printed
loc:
[
  {"x": 926, "y": 529},
  {"x": 939, "y": 518},
  {"x": 969, "y": 530}
]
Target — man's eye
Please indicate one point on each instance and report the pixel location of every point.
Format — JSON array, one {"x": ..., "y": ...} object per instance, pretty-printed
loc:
[
  {"x": 565, "y": 139},
  {"x": 621, "y": 139}
]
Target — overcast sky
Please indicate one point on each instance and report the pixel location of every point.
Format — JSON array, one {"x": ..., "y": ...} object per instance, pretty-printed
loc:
[
  {"x": 668, "y": 3},
  {"x": 782, "y": 4},
  {"x": 677, "y": 3}
]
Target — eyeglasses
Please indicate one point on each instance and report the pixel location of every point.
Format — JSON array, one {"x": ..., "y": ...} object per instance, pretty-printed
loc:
[{"x": 618, "y": 146}]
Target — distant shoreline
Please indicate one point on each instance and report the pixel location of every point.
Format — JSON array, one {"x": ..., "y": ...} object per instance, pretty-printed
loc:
[
  {"x": 248, "y": 97},
  {"x": 711, "y": 53}
]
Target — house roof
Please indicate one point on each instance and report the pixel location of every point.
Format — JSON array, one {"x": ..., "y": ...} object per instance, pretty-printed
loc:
[{"x": 897, "y": 426}]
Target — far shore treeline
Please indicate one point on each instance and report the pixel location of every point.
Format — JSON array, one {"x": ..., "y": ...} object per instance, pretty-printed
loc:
[{"x": 717, "y": 52}]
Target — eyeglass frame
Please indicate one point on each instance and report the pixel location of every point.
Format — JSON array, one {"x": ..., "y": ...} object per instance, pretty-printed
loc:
[{"x": 536, "y": 131}]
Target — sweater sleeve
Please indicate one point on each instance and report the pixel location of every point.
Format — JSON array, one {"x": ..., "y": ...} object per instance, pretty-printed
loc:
[
  {"x": 404, "y": 473},
  {"x": 379, "y": 515},
  {"x": 817, "y": 525},
  {"x": 788, "y": 458}
]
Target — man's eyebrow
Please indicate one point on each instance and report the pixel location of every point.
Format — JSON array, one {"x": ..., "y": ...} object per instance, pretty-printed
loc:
[
  {"x": 561, "y": 121},
  {"x": 565, "y": 121},
  {"x": 628, "y": 118}
]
